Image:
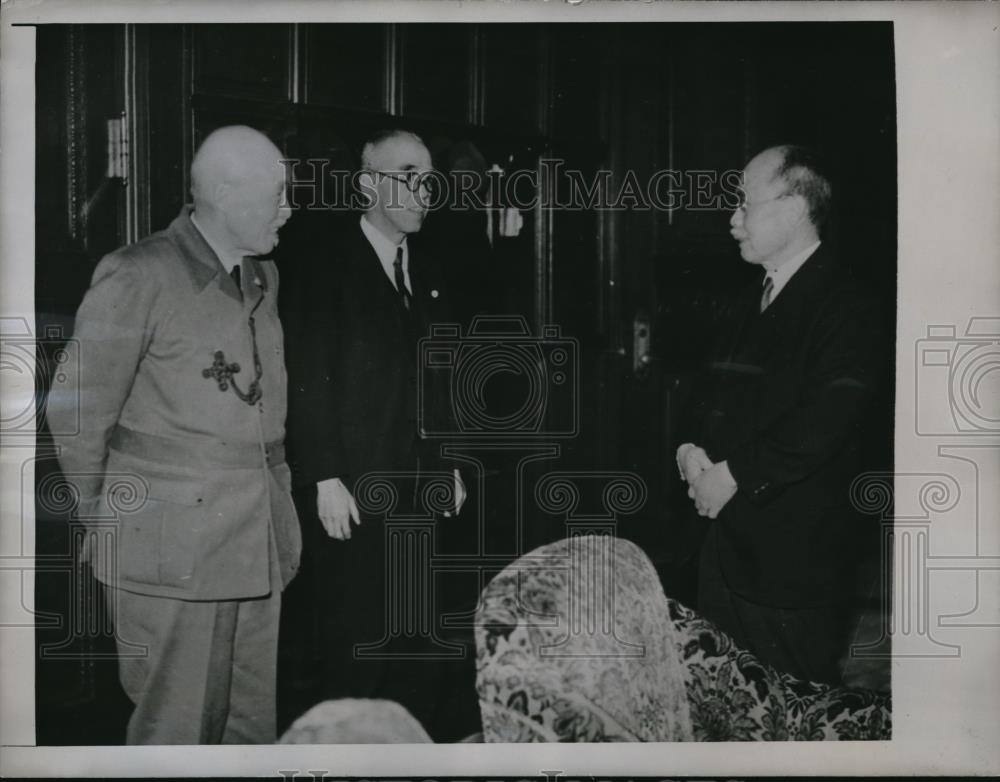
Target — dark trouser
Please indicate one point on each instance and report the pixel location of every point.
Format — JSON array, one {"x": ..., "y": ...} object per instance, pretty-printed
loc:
[
  {"x": 374, "y": 628},
  {"x": 208, "y": 676},
  {"x": 804, "y": 642}
]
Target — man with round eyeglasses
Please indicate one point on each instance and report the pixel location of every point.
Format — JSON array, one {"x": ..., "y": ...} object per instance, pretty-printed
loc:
[{"x": 353, "y": 323}]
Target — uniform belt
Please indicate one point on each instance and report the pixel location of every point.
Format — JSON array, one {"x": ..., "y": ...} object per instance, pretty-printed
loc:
[{"x": 208, "y": 454}]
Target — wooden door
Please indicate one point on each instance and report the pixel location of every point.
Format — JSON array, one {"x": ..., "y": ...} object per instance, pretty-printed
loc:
[{"x": 81, "y": 213}]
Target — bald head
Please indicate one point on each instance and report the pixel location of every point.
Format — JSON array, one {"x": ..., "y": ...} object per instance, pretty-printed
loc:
[
  {"x": 230, "y": 155},
  {"x": 238, "y": 186}
]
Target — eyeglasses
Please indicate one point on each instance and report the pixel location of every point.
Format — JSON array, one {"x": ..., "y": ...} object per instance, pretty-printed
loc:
[
  {"x": 414, "y": 180},
  {"x": 744, "y": 205}
]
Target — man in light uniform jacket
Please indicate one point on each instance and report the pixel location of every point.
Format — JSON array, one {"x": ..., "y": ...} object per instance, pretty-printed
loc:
[{"x": 183, "y": 404}]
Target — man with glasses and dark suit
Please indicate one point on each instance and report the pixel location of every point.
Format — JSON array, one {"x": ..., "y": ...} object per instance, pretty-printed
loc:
[
  {"x": 774, "y": 440},
  {"x": 354, "y": 317}
]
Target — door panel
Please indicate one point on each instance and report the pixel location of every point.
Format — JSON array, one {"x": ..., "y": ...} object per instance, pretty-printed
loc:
[
  {"x": 512, "y": 66},
  {"x": 436, "y": 71},
  {"x": 244, "y": 60},
  {"x": 344, "y": 65},
  {"x": 79, "y": 217}
]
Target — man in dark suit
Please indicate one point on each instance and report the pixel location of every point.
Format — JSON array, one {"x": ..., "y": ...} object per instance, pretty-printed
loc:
[
  {"x": 774, "y": 440},
  {"x": 354, "y": 319}
]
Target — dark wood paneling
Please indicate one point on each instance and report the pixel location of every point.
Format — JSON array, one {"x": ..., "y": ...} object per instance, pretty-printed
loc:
[
  {"x": 435, "y": 70},
  {"x": 169, "y": 122},
  {"x": 77, "y": 208},
  {"x": 708, "y": 117},
  {"x": 79, "y": 216},
  {"x": 54, "y": 77},
  {"x": 345, "y": 65},
  {"x": 102, "y": 210},
  {"x": 511, "y": 57},
  {"x": 577, "y": 112},
  {"x": 578, "y": 51},
  {"x": 274, "y": 120},
  {"x": 576, "y": 115},
  {"x": 245, "y": 60}
]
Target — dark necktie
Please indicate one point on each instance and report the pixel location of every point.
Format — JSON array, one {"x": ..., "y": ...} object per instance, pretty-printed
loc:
[
  {"x": 237, "y": 278},
  {"x": 397, "y": 268},
  {"x": 765, "y": 297}
]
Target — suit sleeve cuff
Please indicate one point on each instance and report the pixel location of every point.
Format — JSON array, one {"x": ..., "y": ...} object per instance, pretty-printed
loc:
[{"x": 749, "y": 481}]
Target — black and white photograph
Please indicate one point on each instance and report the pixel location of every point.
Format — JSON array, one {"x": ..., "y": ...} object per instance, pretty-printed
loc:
[{"x": 480, "y": 374}]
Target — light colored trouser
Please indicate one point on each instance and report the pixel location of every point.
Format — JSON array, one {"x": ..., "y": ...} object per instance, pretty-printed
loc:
[{"x": 209, "y": 673}]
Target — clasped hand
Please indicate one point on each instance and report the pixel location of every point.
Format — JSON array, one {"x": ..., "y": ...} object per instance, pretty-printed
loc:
[{"x": 710, "y": 485}]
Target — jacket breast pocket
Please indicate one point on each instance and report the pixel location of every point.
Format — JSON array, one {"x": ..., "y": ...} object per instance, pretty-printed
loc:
[{"x": 159, "y": 540}]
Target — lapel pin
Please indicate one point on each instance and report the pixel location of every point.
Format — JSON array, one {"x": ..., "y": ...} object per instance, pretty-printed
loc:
[{"x": 434, "y": 293}]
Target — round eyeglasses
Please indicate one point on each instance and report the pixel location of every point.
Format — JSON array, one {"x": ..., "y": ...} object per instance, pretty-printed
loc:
[{"x": 414, "y": 180}]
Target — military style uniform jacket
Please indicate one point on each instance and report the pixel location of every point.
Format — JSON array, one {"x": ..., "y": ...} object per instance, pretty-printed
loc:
[{"x": 189, "y": 477}]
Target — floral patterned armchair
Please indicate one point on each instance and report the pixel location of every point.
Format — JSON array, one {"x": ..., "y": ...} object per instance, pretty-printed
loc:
[{"x": 577, "y": 642}]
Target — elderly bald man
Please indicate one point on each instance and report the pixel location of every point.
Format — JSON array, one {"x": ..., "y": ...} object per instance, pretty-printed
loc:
[{"x": 183, "y": 406}]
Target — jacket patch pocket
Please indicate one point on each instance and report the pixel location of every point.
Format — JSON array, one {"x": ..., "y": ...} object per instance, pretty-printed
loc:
[{"x": 159, "y": 541}]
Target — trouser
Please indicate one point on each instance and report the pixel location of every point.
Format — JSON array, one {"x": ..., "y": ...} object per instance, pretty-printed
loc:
[
  {"x": 208, "y": 675},
  {"x": 375, "y": 638},
  {"x": 804, "y": 642}
]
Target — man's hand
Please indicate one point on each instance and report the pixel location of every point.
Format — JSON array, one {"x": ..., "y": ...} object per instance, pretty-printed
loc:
[
  {"x": 336, "y": 509},
  {"x": 712, "y": 490},
  {"x": 460, "y": 494},
  {"x": 692, "y": 461}
]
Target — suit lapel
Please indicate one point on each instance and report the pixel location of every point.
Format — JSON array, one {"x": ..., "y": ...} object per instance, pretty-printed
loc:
[
  {"x": 766, "y": 330},
  {"x": 385, "y": 296},
  {"x": 422, "y": 292},
  {"x": 810, "y": 276},
  {"x": 370, "y": 270},
  {"x": 789, "y": 310}
]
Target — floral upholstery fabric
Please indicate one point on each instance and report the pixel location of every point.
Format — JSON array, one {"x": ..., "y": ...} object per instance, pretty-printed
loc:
[
  {"x": 734, "y": 697},
  {"x": 565, "y": 656},
  {"x": 577, "y": 642}
]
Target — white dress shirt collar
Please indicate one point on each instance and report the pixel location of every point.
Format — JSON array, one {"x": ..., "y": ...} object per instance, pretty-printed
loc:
[
  {"x": 385, "y": 249},
  {"x": 781, "y": 275}
]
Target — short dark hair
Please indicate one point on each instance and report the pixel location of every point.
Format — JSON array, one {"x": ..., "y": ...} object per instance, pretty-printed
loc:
[{"x": 805, "y": 174}]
